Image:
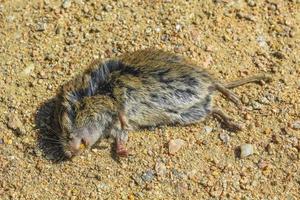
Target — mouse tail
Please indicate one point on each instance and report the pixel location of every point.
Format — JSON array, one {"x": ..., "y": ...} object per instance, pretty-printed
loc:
[{"x": 250, "y": 79}]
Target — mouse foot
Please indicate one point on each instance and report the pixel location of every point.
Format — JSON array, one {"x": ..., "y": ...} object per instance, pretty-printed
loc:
[
  {"x": 228, "y": 122},
  {"x": 121, "y": 150},
  {"x": 233, "y": 126}
]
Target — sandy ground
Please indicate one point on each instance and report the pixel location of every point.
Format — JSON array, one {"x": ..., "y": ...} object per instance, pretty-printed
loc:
[{"x": 45, "y": 43}]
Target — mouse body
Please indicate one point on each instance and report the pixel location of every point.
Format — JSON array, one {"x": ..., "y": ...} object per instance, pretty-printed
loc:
[{"x": 141, "y": 89}]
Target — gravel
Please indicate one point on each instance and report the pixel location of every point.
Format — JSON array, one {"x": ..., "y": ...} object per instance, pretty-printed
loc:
[{"x": 46, "y": 43}]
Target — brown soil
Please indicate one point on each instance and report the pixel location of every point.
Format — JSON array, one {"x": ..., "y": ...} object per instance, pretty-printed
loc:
[{"x": 45, "y": 43}]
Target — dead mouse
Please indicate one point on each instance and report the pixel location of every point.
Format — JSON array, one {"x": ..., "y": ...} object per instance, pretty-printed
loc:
[{"x": 146, "y": 88}]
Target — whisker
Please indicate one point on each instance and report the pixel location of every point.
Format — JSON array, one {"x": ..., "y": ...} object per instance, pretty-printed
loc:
[
  {"x": 46, "y": 126},
  {"x": 50, "y": 139},
  {"x": 53, "y": 148}
]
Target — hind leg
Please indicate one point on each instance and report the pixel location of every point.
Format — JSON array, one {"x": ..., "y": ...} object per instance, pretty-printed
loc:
[
  {"x": 226, "y": 120},
  {"x": 228, "y": 94}
]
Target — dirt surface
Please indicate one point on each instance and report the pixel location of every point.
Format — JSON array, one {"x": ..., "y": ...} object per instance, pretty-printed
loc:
[{"x": 45, "y": 43}]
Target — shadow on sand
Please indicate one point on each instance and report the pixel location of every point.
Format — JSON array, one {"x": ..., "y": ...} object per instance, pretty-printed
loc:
[{"x": 48, "y": 130}]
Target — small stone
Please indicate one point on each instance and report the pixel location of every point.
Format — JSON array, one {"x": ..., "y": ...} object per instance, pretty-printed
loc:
[
  {"x": 8, "y": 141},
  {"x": 246, "y": 150},
  {"x": 41, "y": 26},
  {"x": 10, "y": 18},
  {"x": 131, "y": 197},
  {"x": 207, "y": 129},
  {"x": 15, "y": 124},
  {"x": 246, "y": 16},
  {"x": 224, "y": 137},
  {"x": 208, "y": 60},
  {"x": 264, "y": 100},
  {"x": 182, "y": 187},
  {"x": 102, "y": 187},
  {"x": 270, "y": 149},
  {"x": 66, "y": 4},
  {"x": 160, "y": 169},
  {"x": 175, "y": 145},
  {"x": 251, "y": 3},
  {"x": 148, "y": 176},
  {"x": 148, "y": 31},
  {"x": 178, "y": 27},
  {"x": 138, "y": 180},
  {"x": 107, "y": 7},
  {"x": 42, "y": 74},
  {"x": 256, "y": 105},
  {"x": 1, "y": 141},
  {"x": 296, "y": 125},
  {"x": 179, "y": 175},
  {"x": 268, "y": 131},
  {"x": 192, "y": 174},
  {"x": 261, "y": 40},
  {"x": 165, "y": 37},
  {"x": 28, "y": 70},
  {"x": 210, "y": 48},
  {"x": 262, "y": 164},
  {"x": 279, "y": 55},
  {"x": 245, "y": 99}
]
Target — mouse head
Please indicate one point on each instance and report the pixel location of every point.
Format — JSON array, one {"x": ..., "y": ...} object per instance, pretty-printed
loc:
[{"x": 91, "y": 122}]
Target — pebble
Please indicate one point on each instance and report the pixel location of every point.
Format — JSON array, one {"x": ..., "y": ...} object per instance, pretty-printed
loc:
[
  {"x": 138, "y": 180},
  {"x": 256, "y": 105},
  {"x": 10, "y": 19},
  {"x": 1, "y": 141},
  {"x": 28, "y": 70},
  {"x": 179, "y": 175},
  {"x": 251, "y": 3},
  {"x": 210, "y": 48},
  {"x": 41, "y": 26},
  {"x": 296, "y": 125},
  {"x": 182, "y": 187},
  {"x": 246, "y": 16},
  {"x": 7, "y": 141},
  {"x": 261, "y": 40},
  {"x": 245, "y": 100},
  {"x": 224, "y": 137},
  {"x": 207, "y": 129},
  {"x": 66, "y": 4},
  {"x": 160, "y": 169},
  {"x": 262, "y": 164},
  {"x": 148, "y": 176},
  {"x": 279, "y": 55},
  {"x": 178, "y": 27},
  {"x": 175, "y": 145},
  {"x": 246, "y": 150},
  {"x": 107, "y": 8},
  {"x": 264, "y": 100},
  {"x": 270, "y": 149},
  {"x": 15, "y": 124},
  {"x": 102, "y": 187}
]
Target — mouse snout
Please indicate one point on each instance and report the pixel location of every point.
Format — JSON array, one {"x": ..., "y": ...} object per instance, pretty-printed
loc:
[
  {"x": 81, "y": 139},
  {"x": 73, "y": 147}
]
